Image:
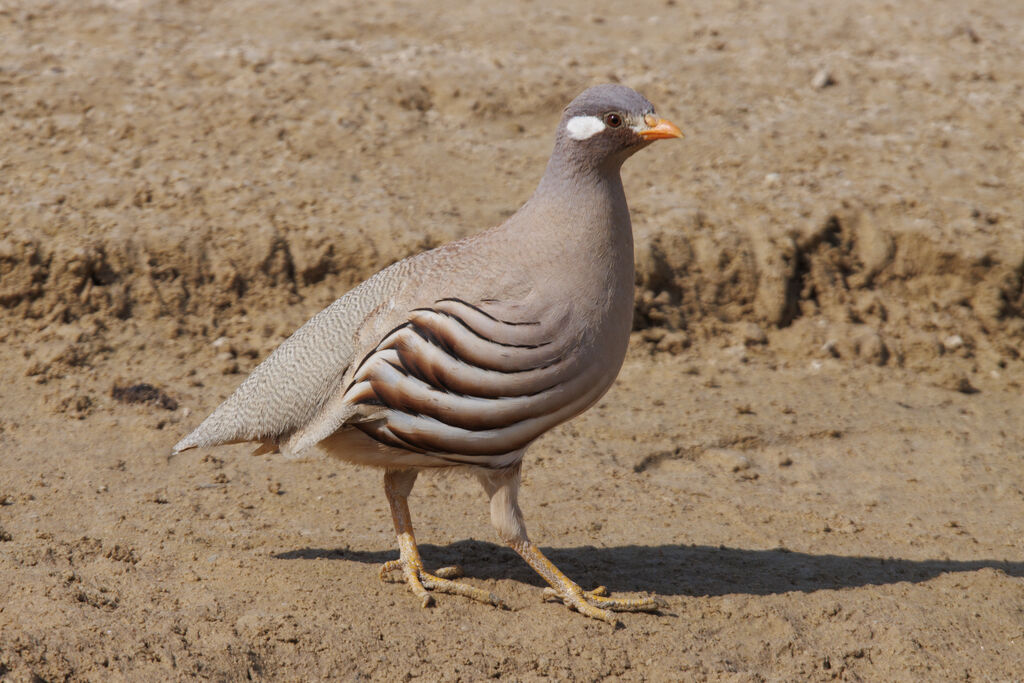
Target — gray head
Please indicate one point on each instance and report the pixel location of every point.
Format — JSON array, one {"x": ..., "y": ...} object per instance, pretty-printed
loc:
[{"x": 606, "y": 124}]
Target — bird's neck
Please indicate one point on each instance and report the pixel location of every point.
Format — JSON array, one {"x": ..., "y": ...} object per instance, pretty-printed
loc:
[
  {"x": 577, "y": 210},
  {"x": 574, "y": 235},
  {"x": 575, "y": 241}
]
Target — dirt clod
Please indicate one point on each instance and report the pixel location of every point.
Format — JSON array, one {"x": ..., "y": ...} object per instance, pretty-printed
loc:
[{"x": 144, "y": 393}]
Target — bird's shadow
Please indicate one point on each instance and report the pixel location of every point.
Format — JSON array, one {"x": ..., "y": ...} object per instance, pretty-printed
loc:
[{"x": 678, "y": 569}]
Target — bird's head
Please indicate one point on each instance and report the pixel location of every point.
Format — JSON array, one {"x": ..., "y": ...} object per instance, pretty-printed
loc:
[{"x": 608, "y": 123}]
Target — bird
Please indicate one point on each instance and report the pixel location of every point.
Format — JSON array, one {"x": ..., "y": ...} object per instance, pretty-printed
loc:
[{"x": 463, "y": 355}]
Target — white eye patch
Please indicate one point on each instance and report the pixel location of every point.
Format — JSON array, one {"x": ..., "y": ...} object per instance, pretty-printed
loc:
[{"x": 584, "y": 127}]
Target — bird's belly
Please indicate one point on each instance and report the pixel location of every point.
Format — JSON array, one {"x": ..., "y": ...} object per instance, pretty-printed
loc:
[{"x": 353, "y": 446}]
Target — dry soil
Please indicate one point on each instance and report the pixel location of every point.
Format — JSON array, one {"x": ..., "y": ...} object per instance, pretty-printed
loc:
[{"x": 814, "y": 453}]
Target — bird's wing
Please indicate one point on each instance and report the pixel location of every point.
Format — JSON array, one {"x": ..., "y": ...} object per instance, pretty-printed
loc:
[
  {"x": 290, "y": 388},
  {"x": 457, "y": 382}
]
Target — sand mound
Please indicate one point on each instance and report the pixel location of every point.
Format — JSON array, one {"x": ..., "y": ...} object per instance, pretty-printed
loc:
[{"x": 849, "y": 286}]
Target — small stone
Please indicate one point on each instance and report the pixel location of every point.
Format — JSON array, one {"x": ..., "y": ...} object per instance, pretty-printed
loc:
[
  {"x": 822, "y": 79},
  {"x": 952, "y": 342}
]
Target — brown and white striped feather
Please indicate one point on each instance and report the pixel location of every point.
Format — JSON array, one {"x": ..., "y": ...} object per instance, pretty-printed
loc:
[{"x": 460, "y": 385}]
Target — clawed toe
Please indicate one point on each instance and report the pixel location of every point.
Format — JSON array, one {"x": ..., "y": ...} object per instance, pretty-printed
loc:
[
  {"x": 452, "y": 572},
  {"x": 595, "y": 603},
  {"x": 420, "y": 582},
  {"x": 552, "y": 594}
]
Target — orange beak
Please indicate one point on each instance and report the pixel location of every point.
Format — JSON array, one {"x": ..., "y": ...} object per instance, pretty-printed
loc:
[{"x": 659, "y": 129}]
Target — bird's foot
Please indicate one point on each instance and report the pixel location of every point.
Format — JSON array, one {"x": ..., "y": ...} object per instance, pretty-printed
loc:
[
  {"x": 598, "y": 605},
  {"x": 595, "y": 604},
  {"x": 420, "y": 582}
]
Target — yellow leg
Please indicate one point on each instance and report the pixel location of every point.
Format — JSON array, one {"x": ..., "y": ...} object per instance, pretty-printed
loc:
[
  {"x": 397, "y": 485},
  {"x": 503, "y": 488},
  {"x": 591, "y": 603}
]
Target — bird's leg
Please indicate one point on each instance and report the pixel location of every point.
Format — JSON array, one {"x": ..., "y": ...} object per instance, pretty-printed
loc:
[
  {"x": 397, "y": 486},
  {"x": 503, "y": 488}
]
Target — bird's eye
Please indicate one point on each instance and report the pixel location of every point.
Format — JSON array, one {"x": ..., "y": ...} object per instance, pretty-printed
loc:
[{"x": 612, "y": 120}]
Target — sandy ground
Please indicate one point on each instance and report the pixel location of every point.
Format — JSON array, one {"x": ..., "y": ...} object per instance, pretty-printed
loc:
[{"x": 814, "y": 453}]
